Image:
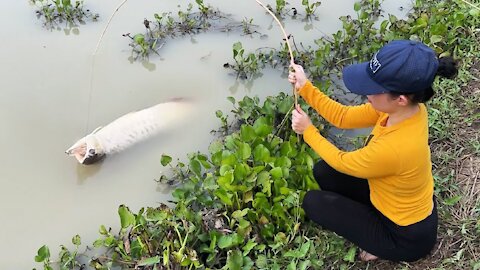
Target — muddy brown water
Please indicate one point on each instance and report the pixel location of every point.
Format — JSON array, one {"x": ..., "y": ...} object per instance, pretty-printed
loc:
[{"x": 49, "y": 99}]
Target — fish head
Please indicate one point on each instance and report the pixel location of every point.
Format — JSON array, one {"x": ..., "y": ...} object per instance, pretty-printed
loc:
[{"x": 87, "y": 150}]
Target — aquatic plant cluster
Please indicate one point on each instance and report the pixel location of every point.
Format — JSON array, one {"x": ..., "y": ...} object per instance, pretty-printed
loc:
[
  {"x": 431, "y": 22},
  {"x": 55, "y": 12},
  {"x": 187, "y": 22},
  {"x": 206, "y": 18},
  {"x": 239, "y": 205}
]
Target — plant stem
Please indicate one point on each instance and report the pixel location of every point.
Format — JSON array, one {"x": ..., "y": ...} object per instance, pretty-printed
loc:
[{"x": 287, "y": 115}]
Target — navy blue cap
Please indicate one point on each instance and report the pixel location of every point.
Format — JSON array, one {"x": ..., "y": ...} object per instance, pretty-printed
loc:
[{"x": 402, "y": 66}]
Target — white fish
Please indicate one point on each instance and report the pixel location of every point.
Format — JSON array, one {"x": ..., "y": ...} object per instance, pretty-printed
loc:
[{"x": 128, "y": 130}]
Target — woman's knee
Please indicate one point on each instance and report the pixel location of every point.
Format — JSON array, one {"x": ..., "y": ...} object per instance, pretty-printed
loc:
[
  {"x": 319, "y": 207},
  {"x": 321, "y": 168},
  {"x": 316, "y": 201},
  {"x": 323, "y": 174}
]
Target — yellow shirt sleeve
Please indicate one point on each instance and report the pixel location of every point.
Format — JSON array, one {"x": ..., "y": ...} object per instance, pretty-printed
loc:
[
  {"x": 339, "y": 115},
  {"x": 375, "y": 160}
]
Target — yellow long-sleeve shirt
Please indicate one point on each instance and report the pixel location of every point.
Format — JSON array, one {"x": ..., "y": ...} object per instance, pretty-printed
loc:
[{"x": 396, "y": 160}]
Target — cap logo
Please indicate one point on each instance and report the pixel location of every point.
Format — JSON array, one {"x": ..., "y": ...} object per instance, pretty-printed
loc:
[{"x": 375, "y": 64}]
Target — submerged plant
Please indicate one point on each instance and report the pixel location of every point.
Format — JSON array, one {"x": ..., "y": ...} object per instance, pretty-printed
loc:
[{"x": 58, "y": 11}]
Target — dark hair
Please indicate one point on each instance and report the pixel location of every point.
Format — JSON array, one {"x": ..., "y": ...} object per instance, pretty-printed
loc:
[{"x": 447, "y": 68}]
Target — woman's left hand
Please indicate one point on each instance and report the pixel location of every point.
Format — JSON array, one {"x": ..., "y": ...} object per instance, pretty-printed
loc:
[{"x": 300, "y": 120}]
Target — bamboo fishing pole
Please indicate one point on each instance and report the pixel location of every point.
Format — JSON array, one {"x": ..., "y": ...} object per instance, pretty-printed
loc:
[{"x": 295, "y": 95}]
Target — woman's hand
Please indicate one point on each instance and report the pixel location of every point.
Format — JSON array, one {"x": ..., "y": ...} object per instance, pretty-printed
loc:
[
  {"x": 300, "y": 120},
  {"x": 297, "y": 76}
]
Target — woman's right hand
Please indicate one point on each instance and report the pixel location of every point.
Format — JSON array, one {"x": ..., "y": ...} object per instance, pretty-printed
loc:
[{"x": 297, "y": 76}]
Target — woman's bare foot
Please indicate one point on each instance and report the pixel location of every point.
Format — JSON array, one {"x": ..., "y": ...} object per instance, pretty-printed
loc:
[{"x": 366, "y": 257}]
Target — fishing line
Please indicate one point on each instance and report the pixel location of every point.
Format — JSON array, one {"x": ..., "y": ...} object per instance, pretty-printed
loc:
[{"x": 89, "y": 103}]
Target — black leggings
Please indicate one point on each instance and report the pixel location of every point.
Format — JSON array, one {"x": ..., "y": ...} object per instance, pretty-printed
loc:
[{"x": 343, "y": 206}]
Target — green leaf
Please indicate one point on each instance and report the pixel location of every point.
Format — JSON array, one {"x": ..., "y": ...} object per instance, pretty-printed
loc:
[
  {"x": 98, "y": 243},
  {"x": 43, "y": 254},
  {"x": 215, "y": 147},
  {"x": 224, "y": 196},
  {"x": 126, "y": 217},
  {"x": 139, "y": 39},
  {"x": 234, "y": 260},
  {"x": 228, "y": 158},
  {"x": 248, "y": 247},
  {"x": 247, "y": 263},
  {"x": 261, "y": 203},
  {"x": 237, "y": 46},
  {"x": 230, "y": 142},
  {"x": 261, "y": 153},
  {"x": 263, "y": 179},
  {"x": 224, "y": 169},
  {"x": 66, "y": 3},
  {"x": 350, "y": 256},
  {"x": 439, "y": 29},
  {"x": 247, "y": 133},
  {"x": 149, "y": 261},
  {"x": 165, "y": 160},
  {"x": 228, "y": 241},
  {"x": 357, "y": 6},
  {"x": 196, "y": 167},
  {"x": 156, "y": 215},
  {"x": 261, "y": 262},
  {"x": 244, "y": 151},
  {"x": 276, "y": 173},
  {"x": 226, "y": 180},
  {"x": 241, "y": 171},
  {"x": 283, "y": 162},
  {"x": 285, "y": 105},
  {"x": 286, "y": 149},
  {"x": 262, "y": 127},
  {"x": 475, "y": 13},
  {"x": 231, "y": 99},
  {"x": 292, "y": 265},
  {"x": 137, "y": 248},
  {"x": 305, "y": 265},
  {"x": 435, "y": 39},
  {"x": 240, "y": 213},
  {"x": 453, "y": 200},
  {"x": 76, "y": 240},
  {"x": 103, "y": 230}
]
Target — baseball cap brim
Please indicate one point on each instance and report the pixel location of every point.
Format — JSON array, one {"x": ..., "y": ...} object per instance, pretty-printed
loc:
[{"x": 358, "y": 81}]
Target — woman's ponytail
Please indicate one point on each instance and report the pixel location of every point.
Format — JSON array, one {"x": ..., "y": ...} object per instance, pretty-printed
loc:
[
  {"x": 426, "y": 95},
  {"x": 447, "y": 67}
]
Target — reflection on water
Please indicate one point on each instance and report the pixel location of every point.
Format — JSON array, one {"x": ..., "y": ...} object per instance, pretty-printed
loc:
[
  {"x": 86, "y": 172},
  {"x": 48, "y": 100}
]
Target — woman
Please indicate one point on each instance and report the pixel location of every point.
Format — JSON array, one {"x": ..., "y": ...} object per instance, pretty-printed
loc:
[{"x": 379, "y": 197}]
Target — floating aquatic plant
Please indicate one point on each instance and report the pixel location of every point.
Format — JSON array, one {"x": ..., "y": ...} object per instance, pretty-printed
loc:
[
  {"x": 54, "y": 12},
  {"x": 187, "y": 22}
]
